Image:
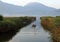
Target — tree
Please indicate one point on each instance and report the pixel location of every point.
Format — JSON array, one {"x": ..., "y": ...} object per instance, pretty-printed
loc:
[{"x": 1, "y": 18}]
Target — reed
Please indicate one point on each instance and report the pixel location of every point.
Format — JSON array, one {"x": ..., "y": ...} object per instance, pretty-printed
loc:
[{"x": 52, "y": 24}]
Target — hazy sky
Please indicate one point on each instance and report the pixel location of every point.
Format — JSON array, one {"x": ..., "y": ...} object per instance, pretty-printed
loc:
[{"x": 50, "y": 3}]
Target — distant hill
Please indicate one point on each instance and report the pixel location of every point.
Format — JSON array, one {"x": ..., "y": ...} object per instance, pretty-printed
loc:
[{"x": 29, "y": 9}]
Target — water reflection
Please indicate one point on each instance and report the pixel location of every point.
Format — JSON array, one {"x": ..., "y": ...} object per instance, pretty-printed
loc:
[
  {"x": 32, "y": 34},
  {"x": 34, "y": 30}
]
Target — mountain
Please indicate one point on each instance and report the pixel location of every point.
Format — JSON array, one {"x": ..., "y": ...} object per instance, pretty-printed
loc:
[
  {"x": 8, "y": 8},
  {"x": 33, "y": 8},
  {"x": 56, "y": 12},
  {"x": 37, "y": 9},
  {"x": 37, "y": 6}
]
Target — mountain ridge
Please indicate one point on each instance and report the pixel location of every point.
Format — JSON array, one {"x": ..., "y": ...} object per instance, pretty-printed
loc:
[{"x": 33, "y": 8}]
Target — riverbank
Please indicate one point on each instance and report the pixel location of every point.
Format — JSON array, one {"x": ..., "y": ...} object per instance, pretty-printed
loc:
[
  {"x": 14, "y": 23},
  {"x": 52, "y": 24}
]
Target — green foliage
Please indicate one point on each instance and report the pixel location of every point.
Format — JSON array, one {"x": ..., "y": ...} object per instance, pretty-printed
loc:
[
  {"x": 57, "y": 21},
  {"x": 13, "y": 23},
  {"x": 5, "y": 26},
  {"x": 1, "y": 18}
]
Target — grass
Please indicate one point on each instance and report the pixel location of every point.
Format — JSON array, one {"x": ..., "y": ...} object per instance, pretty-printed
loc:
[
  {"x": 13, "y": 23},
  {"x": 52, "y": 24}
]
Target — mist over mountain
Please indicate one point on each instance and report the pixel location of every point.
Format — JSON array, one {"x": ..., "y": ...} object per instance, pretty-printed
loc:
[
  {"x": 37, "y": 6},
  {"x": 9, "y": 9},
  {"x": 29, "y": 9}
]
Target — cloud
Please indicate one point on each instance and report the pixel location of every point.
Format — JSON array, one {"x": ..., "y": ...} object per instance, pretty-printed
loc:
[{"x": 51, "y": 3}]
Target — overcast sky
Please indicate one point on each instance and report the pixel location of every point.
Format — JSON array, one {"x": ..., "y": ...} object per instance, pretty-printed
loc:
[{"x": 50, "y": 3}]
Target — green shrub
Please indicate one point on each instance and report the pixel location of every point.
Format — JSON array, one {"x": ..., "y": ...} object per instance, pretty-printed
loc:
[{"x": 1, "y": 18}]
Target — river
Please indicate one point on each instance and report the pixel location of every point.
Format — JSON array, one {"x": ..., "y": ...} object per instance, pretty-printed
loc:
[{"x": 31, "y": 34}]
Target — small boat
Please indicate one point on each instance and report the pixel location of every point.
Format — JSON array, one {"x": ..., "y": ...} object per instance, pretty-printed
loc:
[{"x": 33, "y": 25}]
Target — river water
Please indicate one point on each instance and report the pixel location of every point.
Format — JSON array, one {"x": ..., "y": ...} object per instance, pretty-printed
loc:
[{"x": 31, "y": 34}]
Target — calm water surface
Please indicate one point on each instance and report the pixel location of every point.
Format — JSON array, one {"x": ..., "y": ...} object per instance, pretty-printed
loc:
[{"x": 31, "y": 34}]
